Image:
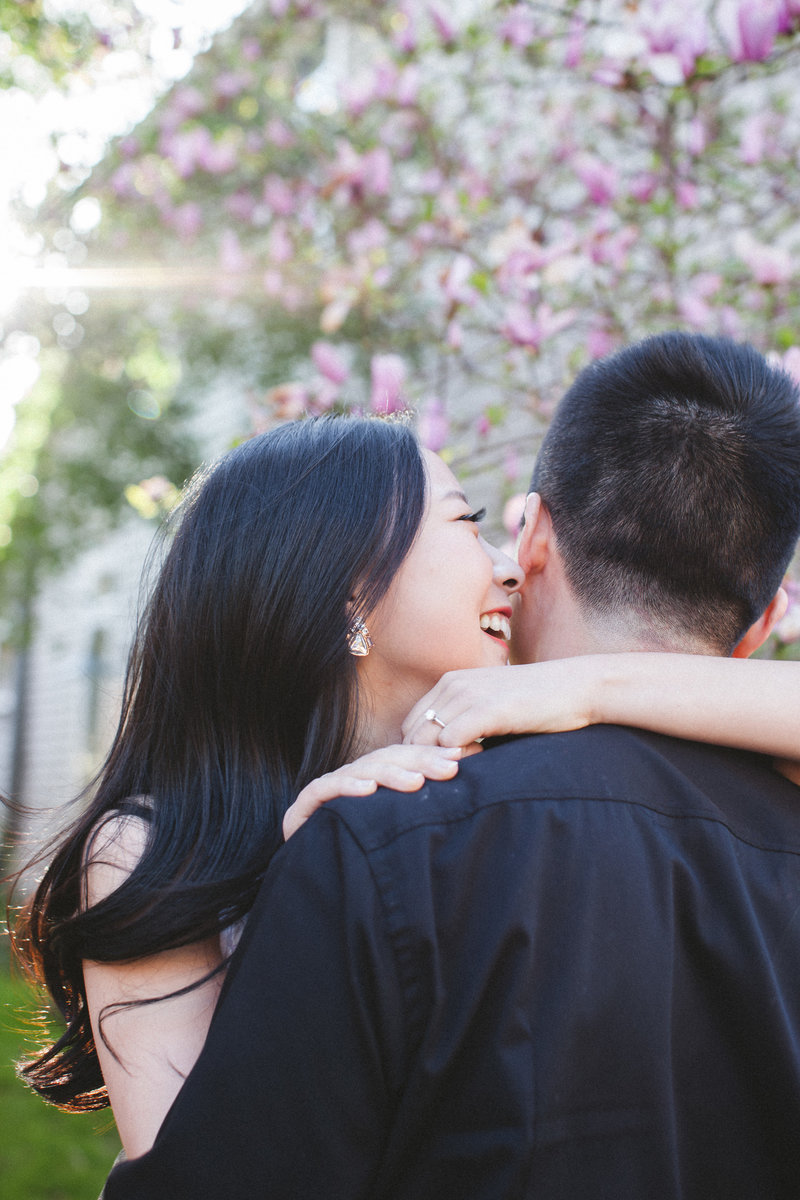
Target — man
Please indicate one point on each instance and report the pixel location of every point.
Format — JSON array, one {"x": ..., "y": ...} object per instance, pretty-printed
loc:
[{"x": 574, "y": 971}]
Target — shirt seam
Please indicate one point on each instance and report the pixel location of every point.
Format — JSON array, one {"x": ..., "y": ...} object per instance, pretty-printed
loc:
[{"x": 429, "y": 823}]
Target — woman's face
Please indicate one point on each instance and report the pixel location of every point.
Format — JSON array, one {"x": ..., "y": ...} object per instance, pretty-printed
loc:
[{"x": 448, "y": 606}]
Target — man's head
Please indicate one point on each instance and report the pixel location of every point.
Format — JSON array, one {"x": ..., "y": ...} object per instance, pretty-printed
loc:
[{"x": 670, "y": 497}]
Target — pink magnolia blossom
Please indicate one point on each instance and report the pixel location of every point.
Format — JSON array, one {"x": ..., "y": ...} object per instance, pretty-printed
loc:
[
  {"x": 122, "y": 181},
  {"x": 519, "y": 27},
  {"x": 694, "y": 310},
  {"x": 643, "y": 187},
  {"x": 287, "y": 400},
  {"x": 229, "y": 84},
  {"x": 279, "y": 133},
  {"x": 444, "y": 26},
  {"x": 518, "y": 275},
  {"x": 770, "y": 265},
  {"x": 752, "y": 144},
  {"x": 750, "y": 27},
  {"x": 388, "y": 372},
  {"x": 187, "y": 220},
  {"x": 455, "y": 335},
  {"x": 367, "y": 238},
  {"x": 375, "y": 84},
  {"x": 482, "y": 425},
  {"x": 599, "y": 178},
  {"x": 280, "y": 247},
  {"x": 433, "y": 425},
  {"x": 382, "y": 276},
  {"x": 574, "y": 45},
  {"x": 272, "y": 282},
  {"x": 455, "y": 285},
  {"x": 788, "y": 628},
  {"x": 185, "y": 148},
  {"x": 675, "y": 30},
  {"x": 599, "y": 342},
  {"x": 513, "y": 511},
  {"x": 429, "y": 182},
  {"x": 370, "y": 173},
  {"x": 130, "y": 146},
  {"x": 730, "y": 323},
  {"x": 609, "y": 74},
  {"x": 336, "y": 312},
  {"x": 329, "y": 362},
  {"x": 687, "y": 194},
  {"x": 408, "y": 84},
  {"x": 241, "y": 205},
  {"x": 185, "y": 102},
  {"x": 376, "y": 171},
  {"x": 696, "y": 137},
  {"x": 404, "y": 29},
  {"x": 218, "y": 157},
  {"x": 706, "y": 284},
  {"x": 613, "y": 249},
  {"x": 511, "y": 467},
  {"x": 791, "y": 364},
  {"x": 523, "y": 328},
  {"x": 666, "y": 69},
  {"x": 325, "y": 393},
  {"x": 278, "y": 195},
  {"x": 232, "y": 258},
  {"x": 158, "y": 488}
]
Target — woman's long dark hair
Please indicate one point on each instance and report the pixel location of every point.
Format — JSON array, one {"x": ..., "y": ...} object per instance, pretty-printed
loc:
[{"x": 239, "y": 690}]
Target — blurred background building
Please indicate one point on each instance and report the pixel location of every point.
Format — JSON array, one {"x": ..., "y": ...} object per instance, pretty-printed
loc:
[{"x": 333, "y": 206}]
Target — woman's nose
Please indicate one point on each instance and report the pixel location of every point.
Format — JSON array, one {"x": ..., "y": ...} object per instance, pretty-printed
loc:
[{"x": 507, "y": 573}]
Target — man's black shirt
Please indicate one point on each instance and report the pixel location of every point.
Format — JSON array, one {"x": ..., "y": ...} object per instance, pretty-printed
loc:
[{"x": 573, "y": 972}]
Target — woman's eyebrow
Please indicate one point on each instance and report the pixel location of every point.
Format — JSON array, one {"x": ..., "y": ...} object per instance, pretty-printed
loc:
[{"x": 454, "y": 496}]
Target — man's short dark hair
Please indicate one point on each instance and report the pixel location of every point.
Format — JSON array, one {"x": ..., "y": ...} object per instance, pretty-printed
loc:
[{"x": 672, "y": 475}]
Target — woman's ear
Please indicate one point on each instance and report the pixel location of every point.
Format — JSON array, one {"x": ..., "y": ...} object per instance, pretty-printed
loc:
[
  {"x": 536, "y": 537},
  {"x": 760, "y": 630}
]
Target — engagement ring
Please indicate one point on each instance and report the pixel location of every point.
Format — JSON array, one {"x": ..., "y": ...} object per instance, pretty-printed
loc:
[{"x": 430, "y": 715}]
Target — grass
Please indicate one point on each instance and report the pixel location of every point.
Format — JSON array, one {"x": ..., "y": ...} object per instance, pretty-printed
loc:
[{"x": 44, "y": 1154}]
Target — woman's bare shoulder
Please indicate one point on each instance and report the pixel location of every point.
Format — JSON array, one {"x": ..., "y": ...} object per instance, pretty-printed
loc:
[{"x": 114, "y": 847}]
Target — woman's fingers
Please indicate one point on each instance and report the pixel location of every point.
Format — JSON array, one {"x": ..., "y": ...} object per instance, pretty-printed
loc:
[
  {"x": 316, "y": 793},
  {"x": 402, "y": 768},
  {"x": 468, "y": 705},
  {"x": 459, "y": 710}
]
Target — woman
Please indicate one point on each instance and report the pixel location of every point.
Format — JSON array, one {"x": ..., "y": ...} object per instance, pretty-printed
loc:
[
  {"x": 247, "y": 680},
  {"x": 320, "y": 580}
]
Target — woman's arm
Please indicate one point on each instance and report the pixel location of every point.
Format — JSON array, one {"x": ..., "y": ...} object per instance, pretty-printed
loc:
[
  {"x": 403, "y": 768},
  {"x": 753, "y": 704},
  {"x": 148, "y": 1048}
]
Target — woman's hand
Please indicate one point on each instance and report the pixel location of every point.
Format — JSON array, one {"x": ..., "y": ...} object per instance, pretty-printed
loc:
[
  {"x": 487, "y": 701},
  {"x": 748, "y": 703},
  {"x": 404, "y": 768}
]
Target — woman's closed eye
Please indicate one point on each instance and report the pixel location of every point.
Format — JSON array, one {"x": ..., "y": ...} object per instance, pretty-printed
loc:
[{"x": 475, "y": 517}]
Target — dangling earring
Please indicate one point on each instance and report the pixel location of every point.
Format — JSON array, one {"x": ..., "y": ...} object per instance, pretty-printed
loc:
[{"x": 359, "y": 642}]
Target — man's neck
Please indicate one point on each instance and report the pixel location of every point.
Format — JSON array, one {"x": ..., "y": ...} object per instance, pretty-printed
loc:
[{"x": 565, "y": 630}]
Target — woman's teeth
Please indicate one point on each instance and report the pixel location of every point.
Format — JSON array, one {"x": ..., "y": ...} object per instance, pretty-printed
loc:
[{"x": 495, "y": 623}]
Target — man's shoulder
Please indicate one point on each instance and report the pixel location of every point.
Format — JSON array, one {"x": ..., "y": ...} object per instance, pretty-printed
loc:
[{"x": 613, "y": 768}]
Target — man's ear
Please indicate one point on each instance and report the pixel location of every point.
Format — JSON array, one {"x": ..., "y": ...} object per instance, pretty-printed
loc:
[
  {"x": 760, "y": 630},
  {"x": 535, "y": 540}
]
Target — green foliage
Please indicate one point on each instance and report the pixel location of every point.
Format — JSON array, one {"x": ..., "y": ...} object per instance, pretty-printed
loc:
[
  {"x": 83, "y": 436},
  {"x": 56, "y": 46},
  {"x": 44, "y": 1154}
]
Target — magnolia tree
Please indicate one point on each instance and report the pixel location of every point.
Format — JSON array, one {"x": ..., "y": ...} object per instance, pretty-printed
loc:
[{"x": 455, "y": 207}]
